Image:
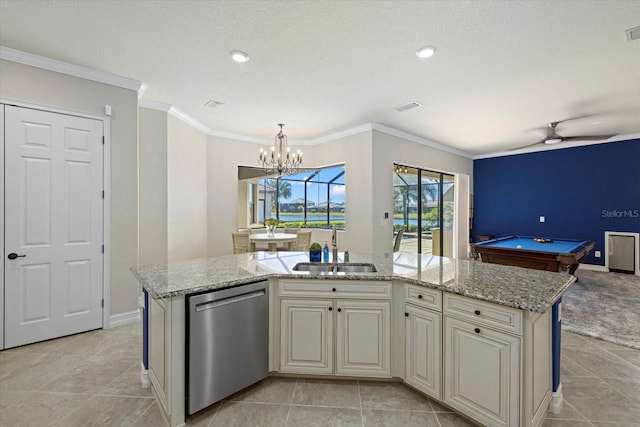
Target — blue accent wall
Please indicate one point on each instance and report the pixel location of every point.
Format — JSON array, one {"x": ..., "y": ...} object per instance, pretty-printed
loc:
[{"x": 582, "y": 192}]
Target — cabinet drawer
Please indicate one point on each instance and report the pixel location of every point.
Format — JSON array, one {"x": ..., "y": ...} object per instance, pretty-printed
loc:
[
  {"x": 335, "y": 289},
  {"x": 484, "y": 313},
  {"x": 423, "y": 297}
]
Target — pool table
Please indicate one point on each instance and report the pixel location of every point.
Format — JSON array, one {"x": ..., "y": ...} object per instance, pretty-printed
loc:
[{"x": 523, "y": 251}]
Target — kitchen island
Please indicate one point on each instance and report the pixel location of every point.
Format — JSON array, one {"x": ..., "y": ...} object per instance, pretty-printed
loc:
[{"x": 419, "y": 319}]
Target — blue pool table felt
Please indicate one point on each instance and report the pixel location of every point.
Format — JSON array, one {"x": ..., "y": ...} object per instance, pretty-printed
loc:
[{"x": 560, "y": 246}]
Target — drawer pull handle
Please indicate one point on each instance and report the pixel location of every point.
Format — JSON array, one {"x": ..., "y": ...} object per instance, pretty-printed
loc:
[
  {"x": 477, "y": 330},
  {"x": 419, "y": 296},
  {"x": 339, "y": 310},
  {"x": 334, "y": 289},
  {"x": 477, "y": 312},
  {"x": 330, "y": 308},
  {"x": 406, "y": 314}
]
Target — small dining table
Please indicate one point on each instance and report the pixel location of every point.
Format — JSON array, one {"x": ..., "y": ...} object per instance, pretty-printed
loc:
[{"x": 272, "y": 240}]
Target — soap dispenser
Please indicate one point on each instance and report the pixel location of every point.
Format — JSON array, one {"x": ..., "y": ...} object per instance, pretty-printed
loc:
[{"x": 325, "y": 252}]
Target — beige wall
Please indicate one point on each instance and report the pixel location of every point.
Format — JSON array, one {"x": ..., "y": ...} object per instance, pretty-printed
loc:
[
  {"x": 50, "y": 89},
  {"x": 173, "y": 189},
  {"x": 153, "y": 186},
  {"x": 223, "y": 158},
  {"x": 186, "y": 191}
]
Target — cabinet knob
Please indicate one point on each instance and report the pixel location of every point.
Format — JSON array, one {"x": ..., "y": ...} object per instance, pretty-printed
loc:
[
  {"x": 334, "y": 289},
  {"x": 419, "y": 296},
  {"x": 477, "y": 330},
  {"x": 477, "y": 312},
  {"x": 406, "y": 314},
  {"x": 339, "y": 310},
  {"x": 330, "y": 308}
]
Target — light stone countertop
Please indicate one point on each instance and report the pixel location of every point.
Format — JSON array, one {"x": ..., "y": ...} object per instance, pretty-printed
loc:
[{"x": 523, "y": 288}]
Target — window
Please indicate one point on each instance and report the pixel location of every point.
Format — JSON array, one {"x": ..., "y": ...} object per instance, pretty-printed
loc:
[{"x": 312, "y": 198}]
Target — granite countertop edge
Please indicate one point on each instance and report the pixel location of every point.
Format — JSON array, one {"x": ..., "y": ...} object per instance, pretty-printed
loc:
[{"x": 534, "y": 304}]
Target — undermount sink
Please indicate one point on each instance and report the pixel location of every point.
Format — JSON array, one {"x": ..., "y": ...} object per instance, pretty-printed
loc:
[{"x": 335, "y": 268}]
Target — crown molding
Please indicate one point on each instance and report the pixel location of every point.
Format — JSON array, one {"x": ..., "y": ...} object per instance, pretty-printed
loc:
[
  {"x": 188, "y": 119},
  {"x": 154, "y": 105},
  {"x": 38, "y": 61},
  {"x": 176, "y": 112},
  {"x": 561, "y": 146},
  {"x": 238, "y": 137},
  {"x": 419, "y": 140}
]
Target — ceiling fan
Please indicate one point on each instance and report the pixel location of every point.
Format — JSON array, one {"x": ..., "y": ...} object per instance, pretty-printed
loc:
[{"x": 554, "y": 138}]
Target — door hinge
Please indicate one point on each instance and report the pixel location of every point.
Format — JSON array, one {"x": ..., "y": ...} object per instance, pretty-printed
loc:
[
  {"x": 103, "y": 194},
  {"x": 102, "y": 248},
  {"x": 103, "y": 303},
  {"x": 103, "y": 140}
]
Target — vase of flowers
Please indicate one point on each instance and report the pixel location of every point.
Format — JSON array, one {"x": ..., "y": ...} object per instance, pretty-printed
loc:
[
  {"x": 315, "y": 252},
  {"x": 271, "y": 224}
]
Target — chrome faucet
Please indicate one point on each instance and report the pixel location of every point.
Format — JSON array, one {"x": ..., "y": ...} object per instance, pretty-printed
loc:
[{"x": 334, "y": 245}]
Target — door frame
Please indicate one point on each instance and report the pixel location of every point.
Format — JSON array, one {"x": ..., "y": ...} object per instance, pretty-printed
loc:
[{"x": 106, "y": 205}]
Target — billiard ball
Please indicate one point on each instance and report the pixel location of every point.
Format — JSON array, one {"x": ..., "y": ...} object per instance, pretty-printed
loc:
[{"x": 519, "y": 246}]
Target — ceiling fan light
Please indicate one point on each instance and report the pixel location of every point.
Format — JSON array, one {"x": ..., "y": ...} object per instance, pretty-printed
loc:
[{"x": 552, "y": 141}]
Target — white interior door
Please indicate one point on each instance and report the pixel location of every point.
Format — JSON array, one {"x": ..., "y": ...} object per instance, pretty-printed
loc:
[{"x": 53, "y": 225}]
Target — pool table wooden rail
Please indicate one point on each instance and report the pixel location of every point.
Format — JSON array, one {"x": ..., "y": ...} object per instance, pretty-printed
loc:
[{"x": 527, "y": 258}]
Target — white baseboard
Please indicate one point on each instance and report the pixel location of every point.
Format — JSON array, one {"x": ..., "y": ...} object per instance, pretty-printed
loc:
[
  {"x": 144, "y": 377},
  {"x": 593, "y": 267},
  {"x": 556, "y": 401},
  {"x": 122, "y": 319}
]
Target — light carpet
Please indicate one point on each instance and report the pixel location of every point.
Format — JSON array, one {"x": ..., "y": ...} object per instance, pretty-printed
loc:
[{"x": 605, "y": 306}]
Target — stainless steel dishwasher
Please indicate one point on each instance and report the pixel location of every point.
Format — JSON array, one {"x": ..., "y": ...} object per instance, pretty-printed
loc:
[{"x": 227, "y": 342}]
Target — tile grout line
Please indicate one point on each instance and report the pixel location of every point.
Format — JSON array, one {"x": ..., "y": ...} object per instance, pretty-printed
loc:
[
  {"x": 360, "y": 400},
  {"x": 293, "y": 393}
]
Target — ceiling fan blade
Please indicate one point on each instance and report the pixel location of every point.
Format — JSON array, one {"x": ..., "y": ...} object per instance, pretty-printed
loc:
[{"x": 588, "y": 137}]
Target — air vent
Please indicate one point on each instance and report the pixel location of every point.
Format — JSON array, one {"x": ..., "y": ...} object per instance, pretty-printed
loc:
[
  {"x": 408, "y": 106},
  {"x": 633, "y": 34},
  {"x": 213, "y": 104}
]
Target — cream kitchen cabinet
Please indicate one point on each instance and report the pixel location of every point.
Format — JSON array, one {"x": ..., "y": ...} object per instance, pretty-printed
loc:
[
  {"x": 363, "y": 331},
  {"x": 482, "y": 368},
  {"x": 423, "y": 330},
  {"x": 497, "y": 362},
  {"x": 306, "y": 336},
  {"x": 348, "y": 334}
]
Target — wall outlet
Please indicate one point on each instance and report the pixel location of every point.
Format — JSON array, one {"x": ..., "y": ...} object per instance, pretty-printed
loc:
[
  {"x": 541, "y": 219},
  {"x": 597, "y": 254}
]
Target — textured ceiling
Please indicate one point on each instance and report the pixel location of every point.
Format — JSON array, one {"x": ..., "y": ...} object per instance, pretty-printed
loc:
[{"x": 502, "y": 69}]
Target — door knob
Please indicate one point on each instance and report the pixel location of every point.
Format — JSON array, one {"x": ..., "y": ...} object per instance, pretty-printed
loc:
[{"x": 14, "y": 255}]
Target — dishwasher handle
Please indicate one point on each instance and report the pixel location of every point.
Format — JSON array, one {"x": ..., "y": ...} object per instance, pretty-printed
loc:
[{"x": 230, "y": 300}]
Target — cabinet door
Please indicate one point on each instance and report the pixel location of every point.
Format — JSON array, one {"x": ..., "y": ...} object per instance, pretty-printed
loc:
[
  {"x": 482, "y": 372},
  {"x": 306, "y": 336},
  {"x": 423, "y": 350},
  {"x": 362, "y": 338}
]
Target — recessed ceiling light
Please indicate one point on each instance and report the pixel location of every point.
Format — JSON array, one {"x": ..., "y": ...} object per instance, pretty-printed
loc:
[
  {"x": 239, "y": 56},
  {"x": 426, "y": 52},
  {"x": 595, "y": 123}
]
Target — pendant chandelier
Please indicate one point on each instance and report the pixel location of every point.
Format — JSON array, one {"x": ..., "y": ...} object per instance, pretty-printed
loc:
[{"x": 280, "y": 160}]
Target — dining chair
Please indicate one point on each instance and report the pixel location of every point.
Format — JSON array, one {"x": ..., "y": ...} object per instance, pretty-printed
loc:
[
  {"x": 241, "y": 244},
  {"x": 291, "y": 230},
  {"x": 396, "y": 242},
  {"x": 303, "y": 241}
]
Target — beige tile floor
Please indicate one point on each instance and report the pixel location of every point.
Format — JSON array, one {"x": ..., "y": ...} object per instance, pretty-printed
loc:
[{"x": 92, "y": 379}]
